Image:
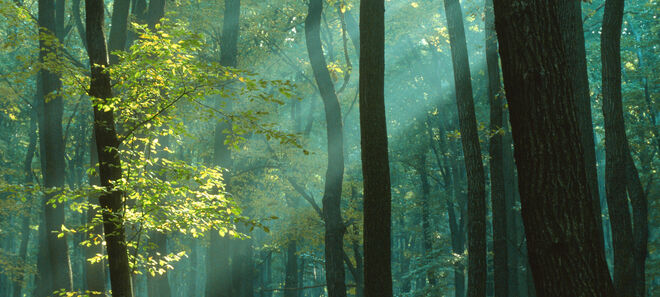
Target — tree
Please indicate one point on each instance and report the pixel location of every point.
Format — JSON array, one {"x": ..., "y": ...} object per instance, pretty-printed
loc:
[
  {"x": 375, "y": 160},
  {"x": 334, "y": 226},
  {"x": 470, "y": 140},
  {"x": 618, "y": 162},
  {"x": 107, "y": 145},
  {"x": 497, "y": 190},
  {"x": 51, "y": 142},
  {"x": 564, "y": 245}
]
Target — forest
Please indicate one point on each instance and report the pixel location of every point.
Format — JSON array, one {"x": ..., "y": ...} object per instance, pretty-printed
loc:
[{"x": 313, "y": 148}]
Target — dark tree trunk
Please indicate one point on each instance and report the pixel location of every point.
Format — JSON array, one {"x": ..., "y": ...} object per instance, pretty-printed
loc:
[
  {"x": 570, "y": 15},
  {"x": 107, "y": 146},
  {"x": 375, "y": 160},
  {"x": 564, "y": 245},
  {"x": 471, "y": 149},
  {"x": 639, "y": 203},
  {"x": 616, "y": 149},
  {"x": 334, "y": 226},
  {"x": 291, "y": 270},
  {"x": 119, "y": 28},
  {"x": 52, "y": 148},
  {"x": 497, "y": 192},
  {"x": 514, "y": 224}
]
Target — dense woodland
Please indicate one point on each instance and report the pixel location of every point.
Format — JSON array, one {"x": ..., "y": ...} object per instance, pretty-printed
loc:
[{"x": 309, "y": 148}]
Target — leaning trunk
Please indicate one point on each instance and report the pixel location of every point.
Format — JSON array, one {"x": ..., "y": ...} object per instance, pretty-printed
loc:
[
  {"x": 563, "y": 239},
  {"x": 471, "y": 149},
  {"x": 334, "y": 226},
  {"x": 616, "y": 148}
]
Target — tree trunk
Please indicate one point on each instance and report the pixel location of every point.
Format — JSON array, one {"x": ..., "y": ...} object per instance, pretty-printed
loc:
[
  {"x": 616, "y": 150},
  {"x": 28, "y": 180},
  {"x": 564, "y": 245},
  {"x": 570, "y": 15},
  {"x": 119, "y": 28},
  {"x": 107, "y": 146},
  {"x": 334, "y": 226},
  {"x": 52, "y": 148},
  {"x": 497, "y": 192},
  {"x": 471, "y": 148},
  {"x": 375, "y": 160}
]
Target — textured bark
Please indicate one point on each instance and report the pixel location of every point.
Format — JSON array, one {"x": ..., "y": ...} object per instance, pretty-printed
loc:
[
  {"x": 565, "y": 249},
  {"x": 334, "y": 226},
  {"x": 107, "y": 146},
  {"x": 375, "y": 160},
  {"x": 497, "y": 192},
  {"x": 570, "y": 15},
  {"x": 471, "y": 149},
  {"x": 616, "y": 149},
  {"x": 52, "y": 147}
]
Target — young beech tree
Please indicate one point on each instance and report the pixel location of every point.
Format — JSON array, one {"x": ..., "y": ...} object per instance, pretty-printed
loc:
[
  {"x": 564, "y": 244},
  {"x": 107, "y": 145}
]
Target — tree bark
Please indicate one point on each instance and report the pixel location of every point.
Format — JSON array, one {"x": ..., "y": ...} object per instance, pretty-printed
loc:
[
  {"x": 616, "y": 149},
  {"x": 497, "y": 191},
  {"x": 427, "y": 241},
  {"x": 564, "y": 244},
  {"x": 119, "y": 28},
  {"x": 52, "y": 148},
  {"x": 472, "y": 151},
  {"x": 334, "y": 226},
  {"x": 107, "y": 146},
  {"x": 375, "y": 160}
]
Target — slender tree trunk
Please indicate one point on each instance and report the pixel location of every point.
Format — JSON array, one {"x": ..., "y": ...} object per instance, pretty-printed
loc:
[
  {"x": 564, "y": 244},
  {"x": 119, "y": 29},
  {"x": 471, "y": 148},
  {"x": 107, "y": 146},
  {"x": 616, "y": 148},
  {"x": 52, "y": 148},
  {"x": 334, "y": 226},
  {"x": 375, "y": 159},
  {"x": 497, "y": 191},
  {"x": 28, "y": 180},
  {"x": 514, "y": 224}
]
